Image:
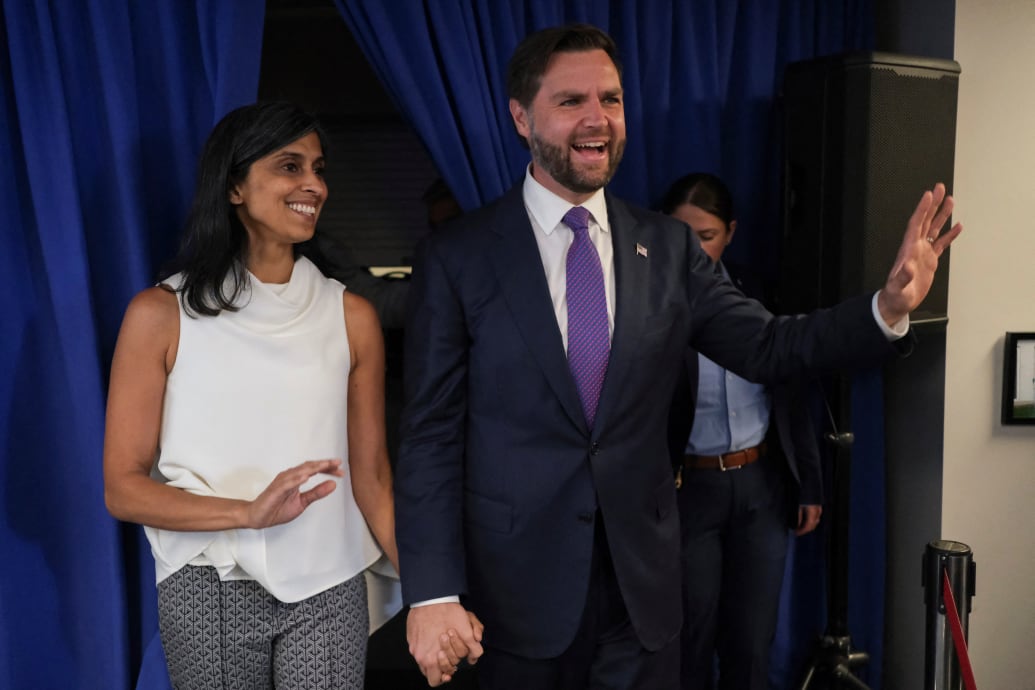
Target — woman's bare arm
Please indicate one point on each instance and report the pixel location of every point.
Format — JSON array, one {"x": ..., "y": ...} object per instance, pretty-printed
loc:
[
  {"x": 144, "y": 355},
  {"x": 368, "y": 451}
]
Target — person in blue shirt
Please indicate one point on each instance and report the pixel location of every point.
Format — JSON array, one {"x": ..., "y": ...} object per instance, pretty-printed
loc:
[{"x": 748, "y": 468}]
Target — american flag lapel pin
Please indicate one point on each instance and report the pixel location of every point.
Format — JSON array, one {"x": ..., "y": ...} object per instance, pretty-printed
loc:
[{"x": 641, "y": 250}]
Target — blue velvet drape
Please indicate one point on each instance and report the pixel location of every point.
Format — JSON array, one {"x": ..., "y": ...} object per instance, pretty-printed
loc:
[
  {"x": 701, "y": 80},
  {"x": 103, "y": 108}
]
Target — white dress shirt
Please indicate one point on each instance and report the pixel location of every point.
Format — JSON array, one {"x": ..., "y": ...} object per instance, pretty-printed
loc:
[{"x": 545, "y": 211}]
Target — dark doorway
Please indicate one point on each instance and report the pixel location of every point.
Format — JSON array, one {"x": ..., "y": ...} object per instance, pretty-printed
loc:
[{"x": 378, "y": 173}]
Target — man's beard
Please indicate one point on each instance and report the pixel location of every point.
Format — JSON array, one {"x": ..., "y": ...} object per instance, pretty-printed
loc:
[{"x": 555, "y": 161}]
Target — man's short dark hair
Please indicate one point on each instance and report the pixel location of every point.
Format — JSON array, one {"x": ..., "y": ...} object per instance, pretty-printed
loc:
[{"x": 528, "y": 63}]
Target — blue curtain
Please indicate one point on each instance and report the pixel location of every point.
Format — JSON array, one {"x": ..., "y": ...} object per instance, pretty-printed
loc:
[
  {"x": 701, "y": 83},
  {"x": 867, "y": 526},
  {"x": 103, "y": 108},
  {"x": 701, "y": 80}
]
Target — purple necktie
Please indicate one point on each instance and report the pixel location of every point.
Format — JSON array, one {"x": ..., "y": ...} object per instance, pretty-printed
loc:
[{"x": 588, "y": 341}]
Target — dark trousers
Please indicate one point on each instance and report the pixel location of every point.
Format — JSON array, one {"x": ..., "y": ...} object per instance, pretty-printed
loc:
[
  {"x": 735, "y": 531},
  {"x": 605, "y": 653}
]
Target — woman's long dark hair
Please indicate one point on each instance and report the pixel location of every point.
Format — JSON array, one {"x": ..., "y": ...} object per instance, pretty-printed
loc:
[
  {"x": 703, "y": 190},
  {"x": 214, "y": 240}
]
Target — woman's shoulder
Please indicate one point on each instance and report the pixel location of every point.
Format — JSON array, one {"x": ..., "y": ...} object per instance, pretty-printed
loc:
[
  {"x": 154, "y": 307},
  {"x": 151, "y": 327},
  {"x": 359, "y": 311}
]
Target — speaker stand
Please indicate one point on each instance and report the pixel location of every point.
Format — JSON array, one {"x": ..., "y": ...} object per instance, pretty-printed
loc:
[{"x": 834, "y": 658}]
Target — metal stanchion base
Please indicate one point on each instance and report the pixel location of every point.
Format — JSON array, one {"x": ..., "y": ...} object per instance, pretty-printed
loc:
[{"x": 835, "y": 661}]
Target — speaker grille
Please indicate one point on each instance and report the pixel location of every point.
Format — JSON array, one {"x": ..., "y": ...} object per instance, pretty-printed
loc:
[{"x": 865, "y": 134}]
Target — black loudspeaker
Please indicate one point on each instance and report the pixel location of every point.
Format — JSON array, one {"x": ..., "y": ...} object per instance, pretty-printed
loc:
[{"x": 865, "y": 135}]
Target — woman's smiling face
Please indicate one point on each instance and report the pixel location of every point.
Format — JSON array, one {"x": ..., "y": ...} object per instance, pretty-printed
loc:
[{"x": 280, "y": 199}]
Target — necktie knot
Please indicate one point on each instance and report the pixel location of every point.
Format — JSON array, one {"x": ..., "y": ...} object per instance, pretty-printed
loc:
[{"x": 577, "y": 218}]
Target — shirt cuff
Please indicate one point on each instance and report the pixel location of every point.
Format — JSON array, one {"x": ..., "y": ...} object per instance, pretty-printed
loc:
[
  {"x": 893, "y": 332},
  {"x": 455, "y": 599}
]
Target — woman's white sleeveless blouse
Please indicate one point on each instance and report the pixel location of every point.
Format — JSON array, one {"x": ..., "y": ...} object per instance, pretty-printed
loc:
[{"x": 252, "y": 393}]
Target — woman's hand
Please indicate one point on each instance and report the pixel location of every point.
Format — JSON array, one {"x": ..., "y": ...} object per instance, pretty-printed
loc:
[{"x": 282, "y": 501}]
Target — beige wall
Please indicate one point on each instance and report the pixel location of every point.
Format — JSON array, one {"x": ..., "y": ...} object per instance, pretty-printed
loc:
[{"x": 989, "y": 473}]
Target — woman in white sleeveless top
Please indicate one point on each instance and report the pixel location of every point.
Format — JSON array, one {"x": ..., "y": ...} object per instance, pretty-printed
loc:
[{"x": 245, "y": 427}]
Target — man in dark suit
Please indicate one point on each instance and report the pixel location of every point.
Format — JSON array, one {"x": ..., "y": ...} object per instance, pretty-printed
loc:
[{"x": 534, "y": 478}]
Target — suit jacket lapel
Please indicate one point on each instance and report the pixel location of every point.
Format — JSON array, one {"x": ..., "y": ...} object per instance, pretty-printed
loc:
[
  {"x": 519, "y": 269},
  {"x": 631, "y": 276}
]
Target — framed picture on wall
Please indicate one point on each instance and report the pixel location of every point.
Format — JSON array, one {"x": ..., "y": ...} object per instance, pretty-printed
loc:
[{"x": 1019, "y": 379}]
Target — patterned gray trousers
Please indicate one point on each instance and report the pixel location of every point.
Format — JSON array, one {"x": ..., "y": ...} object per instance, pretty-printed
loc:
[{"x": 236, "y": 636}]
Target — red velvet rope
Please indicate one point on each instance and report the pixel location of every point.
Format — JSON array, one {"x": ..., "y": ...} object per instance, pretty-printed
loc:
[{"x": 957, "y": 632}]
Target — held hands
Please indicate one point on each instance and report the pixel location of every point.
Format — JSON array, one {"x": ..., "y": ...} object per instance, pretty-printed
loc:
[
  {"x": 440, "y": 635},
  {"x": 453, "y": 649},
  {"x": 282, "y": 501},
  {"x": 911, "y": 277}
]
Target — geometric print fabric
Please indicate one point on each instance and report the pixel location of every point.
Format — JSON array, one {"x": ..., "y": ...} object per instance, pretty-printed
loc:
[{"x": 235, "y": 635}]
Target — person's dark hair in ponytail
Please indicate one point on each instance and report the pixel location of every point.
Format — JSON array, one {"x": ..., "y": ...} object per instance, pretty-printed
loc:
[{"x": 703, "y": 190}]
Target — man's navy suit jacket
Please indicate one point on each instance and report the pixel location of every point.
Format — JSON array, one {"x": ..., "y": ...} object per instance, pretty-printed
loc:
[{"x": 499, "y": 480}]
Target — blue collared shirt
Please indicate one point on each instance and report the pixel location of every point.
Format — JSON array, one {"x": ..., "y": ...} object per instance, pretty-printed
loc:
[{"x": 731, "y": 413}]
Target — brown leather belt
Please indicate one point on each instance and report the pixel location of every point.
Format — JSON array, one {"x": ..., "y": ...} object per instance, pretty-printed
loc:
[{"x": 727, "y": 461}]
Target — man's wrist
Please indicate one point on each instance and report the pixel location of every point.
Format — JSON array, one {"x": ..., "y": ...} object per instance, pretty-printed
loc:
[{"x": 896, "y": 330}]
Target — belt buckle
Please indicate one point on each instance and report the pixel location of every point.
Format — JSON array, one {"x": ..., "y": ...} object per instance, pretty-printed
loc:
[{"x": 723, "y": 468}]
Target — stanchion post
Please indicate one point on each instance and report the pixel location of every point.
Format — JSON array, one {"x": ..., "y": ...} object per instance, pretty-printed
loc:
[{"x": 941, "y": 558}]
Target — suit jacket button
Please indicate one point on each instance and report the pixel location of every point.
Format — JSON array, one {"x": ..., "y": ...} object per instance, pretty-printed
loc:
[
  {"x": 586, "y": 517},
  {"x": 594, "y": 449}
]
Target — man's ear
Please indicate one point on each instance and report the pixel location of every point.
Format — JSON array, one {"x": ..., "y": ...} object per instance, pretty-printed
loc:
[
  {"x": 521, "y": 119},
  {"x": 733, "y": 229}
]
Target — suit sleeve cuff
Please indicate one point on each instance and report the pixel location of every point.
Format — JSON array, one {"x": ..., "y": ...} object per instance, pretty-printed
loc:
[{"x": 894, "y": 332}]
